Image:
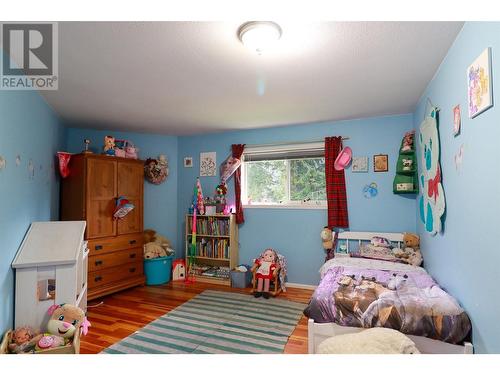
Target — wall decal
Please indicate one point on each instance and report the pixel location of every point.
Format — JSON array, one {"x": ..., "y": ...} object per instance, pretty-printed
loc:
[
  {"x": 31, "y": 169},
  {"x": 208, "y": 164},
  {"x": 459, "y": 158},
  {"x": 432, "y": 200},
  {"x": 360, "y": 164},
  {"x": 479, "y": 85},
  {"x": 370, "y": 191},
  {"x": 456, "y": 120}
]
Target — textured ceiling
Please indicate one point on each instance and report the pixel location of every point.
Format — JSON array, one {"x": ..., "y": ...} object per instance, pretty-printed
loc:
[{"x": 195, "y": 77}]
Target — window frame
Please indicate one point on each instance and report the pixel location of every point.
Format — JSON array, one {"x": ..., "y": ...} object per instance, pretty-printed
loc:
[{"x": 277, "y": 149}]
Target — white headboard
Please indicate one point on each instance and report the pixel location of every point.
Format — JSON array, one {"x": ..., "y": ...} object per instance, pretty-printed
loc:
[{"x": 367, "y": 236}]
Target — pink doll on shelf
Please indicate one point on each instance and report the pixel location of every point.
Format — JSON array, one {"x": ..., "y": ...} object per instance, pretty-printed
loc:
[{"x": 264, "y": 268}]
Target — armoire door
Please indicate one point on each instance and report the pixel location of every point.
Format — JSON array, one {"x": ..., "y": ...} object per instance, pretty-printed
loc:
[
  {"x": 131, "y": 185},
  {"x": 101, "y": 194}
]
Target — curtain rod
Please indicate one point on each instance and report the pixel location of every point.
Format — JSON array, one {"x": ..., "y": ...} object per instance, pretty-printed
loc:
[{"x": 291, "y": 143}]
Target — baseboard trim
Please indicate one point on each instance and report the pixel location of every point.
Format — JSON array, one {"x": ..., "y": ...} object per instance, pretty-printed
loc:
[{"x": 301, "y": 286}]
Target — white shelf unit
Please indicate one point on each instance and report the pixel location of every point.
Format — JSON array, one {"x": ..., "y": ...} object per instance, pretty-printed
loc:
[{"x": 52, "y": 253}]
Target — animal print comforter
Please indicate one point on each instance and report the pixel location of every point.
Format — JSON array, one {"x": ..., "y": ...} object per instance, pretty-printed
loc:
[{"x": 387, "y": 295}]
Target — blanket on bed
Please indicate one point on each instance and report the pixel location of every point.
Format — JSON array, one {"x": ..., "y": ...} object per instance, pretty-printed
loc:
[{"x": 403, "y": 298}]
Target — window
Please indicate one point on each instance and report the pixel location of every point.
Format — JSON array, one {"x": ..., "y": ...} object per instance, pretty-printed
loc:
[{"x": 285, "y": 176}]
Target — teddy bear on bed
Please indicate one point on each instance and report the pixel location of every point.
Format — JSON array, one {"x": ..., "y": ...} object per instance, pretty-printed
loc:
[
  {"x": 265, "y": 267},
  {"x": 411, "y": 251}
]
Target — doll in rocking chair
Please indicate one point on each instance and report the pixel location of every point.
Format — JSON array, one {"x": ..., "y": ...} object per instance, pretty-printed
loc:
[{"x": 265, "y": 269}]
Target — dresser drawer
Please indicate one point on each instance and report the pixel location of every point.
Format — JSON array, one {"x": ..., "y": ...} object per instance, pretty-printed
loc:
[
  {"x": 109, "y": 244},
  {"x": 114, "y": 274},
  {"x": 116, "y": 258}
]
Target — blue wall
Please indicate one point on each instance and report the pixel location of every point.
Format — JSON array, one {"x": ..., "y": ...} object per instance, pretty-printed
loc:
[
  {"x": 465, "y": 257},
  {"x": 295, "y": 233},
  {"x": 29, "y": 128},
  {"x": 160, "y": 201}
]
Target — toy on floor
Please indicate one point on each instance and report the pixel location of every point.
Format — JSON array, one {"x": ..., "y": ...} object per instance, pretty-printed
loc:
[
  {"x": 179, "y": 270},
  {"x": 265, "y": 266},
  {"x": 23, "y": 340},
  {"x": 155, "y": 245},
  {"x": 64, "y": 322}
]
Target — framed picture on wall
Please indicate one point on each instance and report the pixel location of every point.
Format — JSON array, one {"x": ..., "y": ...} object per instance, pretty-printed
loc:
[
  {"x": 381, "y": 163},
  {"x": 188, "y": 162},
  {"x": 360, "y": 164},
  {"x": 479, "y": 84},
  {"x": 208, "y": 164}
]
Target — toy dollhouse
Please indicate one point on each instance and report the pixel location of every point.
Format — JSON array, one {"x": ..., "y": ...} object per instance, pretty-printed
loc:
[{"x": 51, "y": 268}]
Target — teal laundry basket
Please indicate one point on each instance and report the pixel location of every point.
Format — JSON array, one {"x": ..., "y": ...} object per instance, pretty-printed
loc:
[{"x": 158, "y": 270}]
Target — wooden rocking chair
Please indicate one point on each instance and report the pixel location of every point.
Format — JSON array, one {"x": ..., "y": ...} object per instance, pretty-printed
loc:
[{"x": 274, "y": 284}]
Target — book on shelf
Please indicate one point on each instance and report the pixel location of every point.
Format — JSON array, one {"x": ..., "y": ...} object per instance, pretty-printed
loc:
[
  {"x": 210, "y": 225},
  {"x": 212, "y": 248},
  {"x": 211, "y": 271}
]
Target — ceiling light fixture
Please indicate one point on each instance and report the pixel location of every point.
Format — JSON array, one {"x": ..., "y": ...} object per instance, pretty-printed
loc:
[{"x": 259, "y": 35}]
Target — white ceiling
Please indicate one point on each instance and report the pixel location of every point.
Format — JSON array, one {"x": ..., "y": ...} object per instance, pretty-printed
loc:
[{"x": 193, "y": 77}]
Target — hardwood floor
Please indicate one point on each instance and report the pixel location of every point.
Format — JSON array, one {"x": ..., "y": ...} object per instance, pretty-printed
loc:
[{"x": 121, "y": 314}]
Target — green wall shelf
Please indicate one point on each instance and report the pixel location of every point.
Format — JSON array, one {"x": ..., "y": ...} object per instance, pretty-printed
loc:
[{"x": 406, "y": 180}]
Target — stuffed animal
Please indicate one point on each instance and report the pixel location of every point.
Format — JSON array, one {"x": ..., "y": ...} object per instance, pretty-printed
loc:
[
  {"x": 151, "y": 235},
  {"x": 63, "y": 323},
  {"x": 411, "y": 240},
  {"x": 109, "y": 145},
  {"x": 327, "y": 236},
  {"x": 23, "y": 340},
  {"x": 411, "y": 252},
  {"x": 408, "y": 141},
  {"x": 153, "y": 250},
  {"x": 150, "y": 251},
  {"x": 407, "y": 164},
  {"x": 265, "y": 267}
]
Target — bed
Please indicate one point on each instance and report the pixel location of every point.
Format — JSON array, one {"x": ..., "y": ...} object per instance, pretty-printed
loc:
[{"x": 357, "y": 293}]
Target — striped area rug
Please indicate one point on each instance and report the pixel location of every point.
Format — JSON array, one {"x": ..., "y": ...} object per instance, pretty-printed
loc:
[{"x": 217, "y": 322}]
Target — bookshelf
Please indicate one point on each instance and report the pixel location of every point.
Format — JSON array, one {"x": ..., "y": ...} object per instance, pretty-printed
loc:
[{"x": 216, "y": 247}]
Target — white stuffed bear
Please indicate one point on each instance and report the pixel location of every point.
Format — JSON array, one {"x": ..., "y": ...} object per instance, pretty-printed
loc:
[{"x": 153, "y": 250}]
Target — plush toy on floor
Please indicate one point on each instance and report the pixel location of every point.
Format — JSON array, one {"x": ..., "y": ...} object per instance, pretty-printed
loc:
[
  {"x": 265, "y": 266},
  {"x": 155, "y": 245},
  {"x": 64, "y": 322},
  {"x": 23, "y": 340}
]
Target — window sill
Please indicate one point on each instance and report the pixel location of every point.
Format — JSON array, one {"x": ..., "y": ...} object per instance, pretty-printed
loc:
[{"x": 286, "y": 207}]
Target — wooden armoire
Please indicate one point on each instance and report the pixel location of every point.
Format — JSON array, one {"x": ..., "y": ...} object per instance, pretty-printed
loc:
[{"x": 116, "y": 245}]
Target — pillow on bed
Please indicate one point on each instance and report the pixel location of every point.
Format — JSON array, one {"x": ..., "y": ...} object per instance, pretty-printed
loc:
[
  {"x": 381, "y": 242},
  {"x": 397, "y": 255},
  {"x": 376, "y": 252}
]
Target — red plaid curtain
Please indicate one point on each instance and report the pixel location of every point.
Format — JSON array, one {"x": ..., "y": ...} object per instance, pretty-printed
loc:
[
  {"x": 237, "y": 153},
  {"x": 336, "y": 194}
]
